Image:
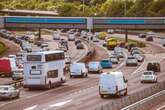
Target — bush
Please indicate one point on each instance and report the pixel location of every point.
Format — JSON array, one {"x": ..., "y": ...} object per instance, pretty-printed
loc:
[
  {"x": 141, "y": 44},
  {"x": 2, "y": 47}
]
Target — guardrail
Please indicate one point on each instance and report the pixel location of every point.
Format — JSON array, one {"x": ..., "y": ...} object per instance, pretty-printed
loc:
[
  {"x": 16, "y": 84},
  {"x": 133, "y": 98},
  {"x": 90, "y": 53}
]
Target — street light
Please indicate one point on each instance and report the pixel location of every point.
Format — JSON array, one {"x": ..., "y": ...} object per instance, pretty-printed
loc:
[
  {"x": 125, "y": 7},
  {"x": 83, "y": 5}
]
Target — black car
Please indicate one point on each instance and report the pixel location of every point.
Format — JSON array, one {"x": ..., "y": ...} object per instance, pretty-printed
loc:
[
  {"x": 77, "y": 42},
  {"x": 149, "y": 38},
  {"x": 153, "y": 66},
  {"x": 142, "y": 35}
]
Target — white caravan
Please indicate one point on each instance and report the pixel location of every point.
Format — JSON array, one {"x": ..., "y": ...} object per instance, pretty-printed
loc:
[
  {"x": 112, "y": 83},
  {"x": 44, "y": 69},
  {"x": 78, "y": 69}
]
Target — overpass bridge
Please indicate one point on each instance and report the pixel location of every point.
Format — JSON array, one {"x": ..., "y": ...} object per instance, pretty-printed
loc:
[{"x": 90, "y": 23}]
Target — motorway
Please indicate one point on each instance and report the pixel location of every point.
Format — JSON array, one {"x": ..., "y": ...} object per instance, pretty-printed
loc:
[{"x": 82, "y": 93}]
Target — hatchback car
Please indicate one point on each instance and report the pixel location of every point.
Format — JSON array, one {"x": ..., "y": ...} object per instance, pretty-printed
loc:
[
  {"x": 149, "y": 38},
  {"x": 131, "y": 61},
  {"x": 114, "y": 59},
  {"x": 106, "y": 63},
  {"x": 149, "y": 76},
  {"x": 17, "y": 74},
  {"x": 9, "y": 92}
]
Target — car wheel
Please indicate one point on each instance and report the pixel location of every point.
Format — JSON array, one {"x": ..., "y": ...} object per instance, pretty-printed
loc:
[
  {"x": 18, "y": 95},
  {"x": 118, "y": 94},
  {"x": 125, "y": 92}
]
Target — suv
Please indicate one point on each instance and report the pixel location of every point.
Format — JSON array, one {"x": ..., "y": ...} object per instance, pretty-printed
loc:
[{"x": 153, "y": 66}]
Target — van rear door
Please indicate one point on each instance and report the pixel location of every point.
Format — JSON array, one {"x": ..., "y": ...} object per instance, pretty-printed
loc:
[{"x": 108, "y": 84}]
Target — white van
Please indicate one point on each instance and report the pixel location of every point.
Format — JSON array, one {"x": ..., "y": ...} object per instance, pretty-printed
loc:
[
  {"x": 56, "y": 36},
  {"x": 94, "y": 66},
  {"x": 112, "y": 83},
  {"x": 78, "y": 69}
]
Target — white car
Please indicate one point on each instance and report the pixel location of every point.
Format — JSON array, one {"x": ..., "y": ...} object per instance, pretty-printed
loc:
[
  {"x": 139, "y": 57},
  {"x": 9, "y": 92},
  {"x": 56, "y": 36},
  {"x": 71, "y": 37},
  {"x": 119, "y": 52},
  {"x": 114, "y": 59},
  {"x": 67, "y": 59},
  {"x": 112, "y": 83},
  {"x": 44, "y": 49},
  {"x": 44, "y": 45},
  {"x": 149, "y": 76},
  {"x": 94, "y": 66},
  {"x": 17, "y": 74},
  {"x": 78, "y": 69},
  {"x": 131, "y": 60}
]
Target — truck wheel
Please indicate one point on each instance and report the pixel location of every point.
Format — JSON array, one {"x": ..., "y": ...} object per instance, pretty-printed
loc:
[
  {"x": 101, "y": 95},
  {"x": 49, "y": 85},
  {"x": 86, "y": 75},
  {"x": 71, "y": 76}
]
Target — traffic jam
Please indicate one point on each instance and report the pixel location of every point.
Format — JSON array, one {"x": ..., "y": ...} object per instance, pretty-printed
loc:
[{"x": 46, "y": 68}]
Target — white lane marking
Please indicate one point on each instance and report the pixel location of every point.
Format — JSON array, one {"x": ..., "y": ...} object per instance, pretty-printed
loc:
[
  {"x": 31, "y": 108},
  {"x": 60, "y": 104},
  {"x": 161, "y": 108},
  {"x": 139, "y": 68}
]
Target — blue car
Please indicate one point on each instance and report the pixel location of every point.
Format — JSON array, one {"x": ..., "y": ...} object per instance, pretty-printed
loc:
[{"x": 106, "y": 63}]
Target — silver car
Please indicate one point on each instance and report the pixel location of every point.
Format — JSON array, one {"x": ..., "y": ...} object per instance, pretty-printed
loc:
[
  {"x": 17, "y": 74},
  {"x": 131, "y": 60},
  {"x": 139, "y": 57},
  {"x": 114, "y": 59},
  {"x": 9, "y": 92}
]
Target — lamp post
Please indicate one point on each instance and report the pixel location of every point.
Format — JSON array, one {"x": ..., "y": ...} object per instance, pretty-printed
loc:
[
  {"x": 83, "y": 5},
  {"x": 125, "y": 7}
]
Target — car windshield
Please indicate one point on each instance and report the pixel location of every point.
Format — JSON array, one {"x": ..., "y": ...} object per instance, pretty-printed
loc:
[
  {"x": 94, "y": 64},
  {"x": 147, "y": 73},
  {"x": 105, "y": 61},
  {"x": 131, "y": 57},
  {"x": 34, "y": 58},
  {"x": 4, "y": 88}
]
